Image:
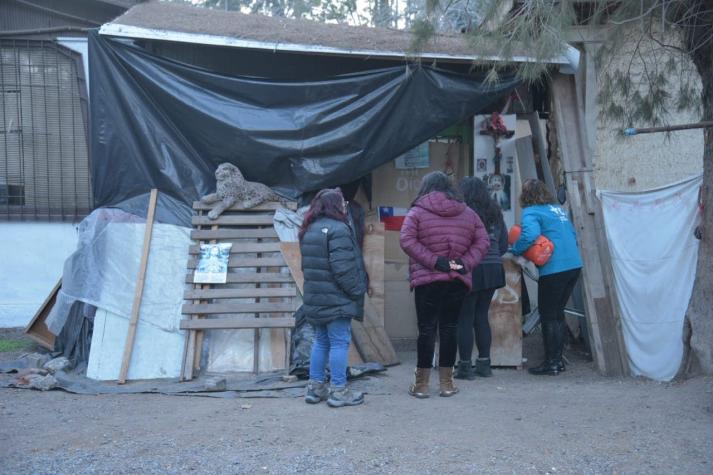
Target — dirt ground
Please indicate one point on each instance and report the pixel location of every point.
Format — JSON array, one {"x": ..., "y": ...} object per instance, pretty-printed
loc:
[{"x": 577, "y": 422}]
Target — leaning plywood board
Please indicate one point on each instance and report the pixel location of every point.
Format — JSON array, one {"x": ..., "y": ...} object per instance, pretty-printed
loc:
[
  {"x": 505, "y": 318},
  {"x": 156, "y": 353},
  {"x": 37, "y": 329}
]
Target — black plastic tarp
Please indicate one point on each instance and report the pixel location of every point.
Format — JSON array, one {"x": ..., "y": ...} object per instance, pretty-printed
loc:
[{"x": 158, "y": 123}]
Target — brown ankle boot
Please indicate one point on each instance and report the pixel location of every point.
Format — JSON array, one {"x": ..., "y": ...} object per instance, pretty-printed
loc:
[
  {"x": 419, "y": 388},
  {"x": 448, "y": 388}
]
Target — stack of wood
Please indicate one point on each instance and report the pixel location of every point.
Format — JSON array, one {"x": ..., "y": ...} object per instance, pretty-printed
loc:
[{"x": 259, "y": 291}]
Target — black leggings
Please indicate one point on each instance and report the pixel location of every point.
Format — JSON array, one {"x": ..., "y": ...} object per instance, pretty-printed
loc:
[
  {"x": 553, "y": 292},
  {"x": 437, "y": 307},
  {"x": 474, "y": 316}
]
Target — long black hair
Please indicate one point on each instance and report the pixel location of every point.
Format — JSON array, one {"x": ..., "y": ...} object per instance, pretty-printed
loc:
[
  {"x": 438, "y": 181},
  {"x": 475, "y": 193}
]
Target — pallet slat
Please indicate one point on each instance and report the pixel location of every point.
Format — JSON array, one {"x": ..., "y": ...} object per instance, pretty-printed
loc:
[
  {"x": 269, "y": 206},
  {"x": 247, "y": 262},
  {"x": 213, "y": 308},
  {"x": 234, "y": 220},
  {"x": 252, "y": 278},
  {"x": 203, "y": 294},
  {"x": 241, "y": 248},
  {"x": 237, "y": 323},
  {"x": 209, "y": 234}
]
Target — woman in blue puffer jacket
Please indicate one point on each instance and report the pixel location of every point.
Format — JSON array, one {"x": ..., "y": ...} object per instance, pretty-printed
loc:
[{"x": 558, "y": 276}]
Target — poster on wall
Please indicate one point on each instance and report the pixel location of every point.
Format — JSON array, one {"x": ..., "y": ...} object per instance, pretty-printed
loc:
[
  {"x": 417, "y": 157},
  {"x": 212, "y": 265}
]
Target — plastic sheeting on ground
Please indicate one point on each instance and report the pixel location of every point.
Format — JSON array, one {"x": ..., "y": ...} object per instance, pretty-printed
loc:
[
  {"x": 654, "y": 256},
  {"x": 158, "y": 123}
]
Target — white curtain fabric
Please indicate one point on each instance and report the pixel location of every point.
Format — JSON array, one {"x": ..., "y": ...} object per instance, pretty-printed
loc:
[{"x": 654, "y": 255}]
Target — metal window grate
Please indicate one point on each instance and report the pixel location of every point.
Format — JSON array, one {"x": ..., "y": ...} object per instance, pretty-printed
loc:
[{"x": 44, "y": 162}]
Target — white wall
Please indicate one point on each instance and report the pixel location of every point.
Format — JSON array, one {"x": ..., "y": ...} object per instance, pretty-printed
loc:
[
  {"x": 651, "y": 160},
  {"x": 32, "y": 257}
]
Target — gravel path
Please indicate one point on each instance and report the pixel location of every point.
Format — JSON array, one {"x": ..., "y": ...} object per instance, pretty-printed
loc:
[{"x": 578, "y": 422}]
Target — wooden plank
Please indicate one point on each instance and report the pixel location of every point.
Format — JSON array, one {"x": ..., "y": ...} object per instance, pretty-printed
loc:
[
  {"x": 374, "y": 243},
  {"x": 234, "y": 262},
  {"x": 602, "y": 308},
  {"x": 243, "y": 247},
  {"x": 505, "y": 316},
  {"x": 251, "y": 278},
  {"x": 539, "y": 137},
  {"x": 140, "y": 280},
  {"x": 268, "y": 206},
  {"x": 239, "y": 293},
  {"x": 526, "y": 158},
  {"x": 240, "y": 233},
  {"x": 234, "y": 220},
  {"x": 292, "y": 256},
  {"x": 234, "y": 323},
  {"x": 213, "y": 308},
  {"x": 371, "y": 339},
  {"x": 37, "y": 329}
]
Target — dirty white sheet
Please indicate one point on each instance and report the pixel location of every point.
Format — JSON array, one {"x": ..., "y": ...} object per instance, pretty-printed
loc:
[{"x": 654, "y": 256}]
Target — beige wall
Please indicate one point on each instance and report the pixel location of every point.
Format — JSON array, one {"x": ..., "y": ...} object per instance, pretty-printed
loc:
[{"x": 651, "y": 160}]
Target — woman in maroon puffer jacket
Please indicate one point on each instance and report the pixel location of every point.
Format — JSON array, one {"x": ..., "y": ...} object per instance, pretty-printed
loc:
[{"x": 444, "y": 240}]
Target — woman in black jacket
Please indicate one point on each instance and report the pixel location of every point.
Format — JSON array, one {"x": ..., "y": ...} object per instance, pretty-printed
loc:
[
  {"x": 334, "y": 287},
  {"x": 487, "y": 278}
]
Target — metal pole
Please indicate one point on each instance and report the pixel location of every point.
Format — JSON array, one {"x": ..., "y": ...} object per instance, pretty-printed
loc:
[{"x": 669, "y": 128}]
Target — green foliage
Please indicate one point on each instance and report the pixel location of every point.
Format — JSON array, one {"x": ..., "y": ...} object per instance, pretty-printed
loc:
[
  {"x": 643, "y": 85},
  {"x": 7, "y": 345}
]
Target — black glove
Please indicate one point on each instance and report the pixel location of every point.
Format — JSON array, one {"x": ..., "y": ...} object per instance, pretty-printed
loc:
[
  {"x": 442, "y": 264},
  {"x": 462, "y": 270}
]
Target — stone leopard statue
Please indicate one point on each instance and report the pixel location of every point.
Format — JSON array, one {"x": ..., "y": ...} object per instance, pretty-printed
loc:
[{"x": 232, "y": 187}]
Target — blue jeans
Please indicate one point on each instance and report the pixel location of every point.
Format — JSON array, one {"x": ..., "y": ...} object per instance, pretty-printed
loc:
[{"x": 331, "y": 342}]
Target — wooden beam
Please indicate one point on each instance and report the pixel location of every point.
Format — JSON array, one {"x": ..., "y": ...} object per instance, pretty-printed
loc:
[
  {"x": 251, "y": 278},
  {"x": 215, "y": 308},
  {"x": 243, "y": 247},
  {"x": 234, "y": 323},
  {"x": 239, "y": 293},
  {"x": 538, "y": 136},
  {"x": 209, "y": 234},
  {"x": 234, "y": 220},
  {"x": 247, "y": 262},
  {"x": 268, "y": 206},
  {"x": 140, "y": 280},
  {"x": 602, "y": 309}
]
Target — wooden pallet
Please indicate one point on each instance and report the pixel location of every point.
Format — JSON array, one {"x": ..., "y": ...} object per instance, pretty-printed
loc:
[{"x": 257, "y": 272}]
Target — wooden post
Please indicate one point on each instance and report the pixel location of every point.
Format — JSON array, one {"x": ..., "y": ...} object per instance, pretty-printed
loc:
[
  {"x": 601, "y": 305},
  {"x": 141, "y": 279}
]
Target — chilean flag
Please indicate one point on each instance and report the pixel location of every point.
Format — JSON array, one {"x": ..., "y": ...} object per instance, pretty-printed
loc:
[{"x": 393, "y": 218}]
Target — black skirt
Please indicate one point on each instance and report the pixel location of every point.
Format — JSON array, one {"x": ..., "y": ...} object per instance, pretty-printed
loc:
[{"x": 488, "y": 276}]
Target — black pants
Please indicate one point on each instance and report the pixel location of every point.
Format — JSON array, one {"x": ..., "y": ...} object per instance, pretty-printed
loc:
[
  {"x": 474, "y": 317},
  {"x": 553, "y": 292},
  {"x": 437, "y": 307}
]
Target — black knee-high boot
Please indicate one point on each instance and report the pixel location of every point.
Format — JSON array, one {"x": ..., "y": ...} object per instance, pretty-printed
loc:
[{"x": 553, "y": 339}]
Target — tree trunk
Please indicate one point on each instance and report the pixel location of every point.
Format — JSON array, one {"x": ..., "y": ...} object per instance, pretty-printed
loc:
[{"x": 699, "y": 317}]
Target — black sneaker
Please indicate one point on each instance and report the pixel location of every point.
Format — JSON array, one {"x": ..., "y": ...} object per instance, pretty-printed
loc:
[{"x": 548, "y": 368}]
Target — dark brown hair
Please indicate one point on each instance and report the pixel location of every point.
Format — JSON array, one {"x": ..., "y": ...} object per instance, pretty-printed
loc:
[
  {"x": 438, "y": 181},
  {"x": 535, "y": 192},
  {"x": 328, "y": 202}
]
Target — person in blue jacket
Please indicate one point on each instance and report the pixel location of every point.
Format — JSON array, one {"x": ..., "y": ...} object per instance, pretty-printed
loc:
[{"x": 542, "y": 216}]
